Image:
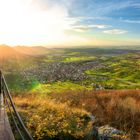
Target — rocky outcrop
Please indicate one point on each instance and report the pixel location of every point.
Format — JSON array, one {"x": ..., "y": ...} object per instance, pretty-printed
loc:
[{"x": 110, "y": 133}]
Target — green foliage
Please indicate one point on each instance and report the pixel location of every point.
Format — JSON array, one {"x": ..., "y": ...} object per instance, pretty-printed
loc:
[
  {"x": 119, "y": 72},
  {"x": 18, "y": 83},
  {"x": 78, "y": 58},
  {"x": 59, "y": 87}
]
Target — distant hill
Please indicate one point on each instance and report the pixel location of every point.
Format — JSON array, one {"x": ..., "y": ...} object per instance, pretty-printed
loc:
[
  {"x": 38, "y": 50},
  {"x": 8, "y": 52}
]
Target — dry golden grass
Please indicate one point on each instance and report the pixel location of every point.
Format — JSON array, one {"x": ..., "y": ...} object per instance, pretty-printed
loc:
[
  {"x": 67, "y": 114},
  {"x": 47, "y": 119},
  {"x": 118, "y": 108}
]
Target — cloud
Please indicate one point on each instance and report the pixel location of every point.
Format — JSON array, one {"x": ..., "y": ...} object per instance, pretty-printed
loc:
[
  {"x": 115, "y": 31},
  {"x": 132, "y": 21},
  {"x": 84, "y": 28},
  {"x": 83, "y": 18},
  {"x": 103, "y": 8},
  {"x": 37, "y": 22},
  {"x": 136, "y": 5}
]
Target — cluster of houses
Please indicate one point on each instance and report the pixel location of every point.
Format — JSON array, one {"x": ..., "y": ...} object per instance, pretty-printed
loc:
[{"x": 61, "y": 71}]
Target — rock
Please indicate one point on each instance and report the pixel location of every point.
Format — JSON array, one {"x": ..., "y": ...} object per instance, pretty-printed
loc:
[{"x": 110, "y": 133}]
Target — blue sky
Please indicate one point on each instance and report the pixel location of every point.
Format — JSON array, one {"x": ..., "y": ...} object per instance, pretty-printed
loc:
[
  {"x": 123, "y": 14},
  {"x": 70, "y": 22}
]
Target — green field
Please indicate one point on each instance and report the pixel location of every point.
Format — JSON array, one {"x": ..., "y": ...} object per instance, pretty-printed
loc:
[{"x": 80, "y": 68}]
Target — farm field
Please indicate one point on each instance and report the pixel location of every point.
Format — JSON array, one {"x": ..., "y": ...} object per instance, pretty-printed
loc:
[{"x": 89, "y": 68}]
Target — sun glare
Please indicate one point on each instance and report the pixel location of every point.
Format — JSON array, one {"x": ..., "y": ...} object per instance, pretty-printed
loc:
[{"x": 24, "y": 23}]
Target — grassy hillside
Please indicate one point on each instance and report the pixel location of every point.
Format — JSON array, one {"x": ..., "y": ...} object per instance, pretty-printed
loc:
[{"x": 70, "y": 85}]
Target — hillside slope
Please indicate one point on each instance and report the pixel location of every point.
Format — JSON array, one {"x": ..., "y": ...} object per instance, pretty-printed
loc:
[
  {"x": 38, "y": 50},
  {"x": 8, "y": 52}
]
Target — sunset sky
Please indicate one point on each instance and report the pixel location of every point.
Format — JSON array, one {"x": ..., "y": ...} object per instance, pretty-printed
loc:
[{"x": 70, "y": 22}]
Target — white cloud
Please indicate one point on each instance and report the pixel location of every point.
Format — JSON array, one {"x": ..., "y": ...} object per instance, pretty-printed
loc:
[
  {"x": 115, "y": 31},
  {"x": 84, "y": 28},
  {"x": 99, "y": 26},
  {"x": 136, "y": 5},
  {"x": 29, "y": 22},
  {"x": 132, "y": 21}
]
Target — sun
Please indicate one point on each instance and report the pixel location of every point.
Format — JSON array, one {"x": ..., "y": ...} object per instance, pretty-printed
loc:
[{"x": 24, "y": 23}]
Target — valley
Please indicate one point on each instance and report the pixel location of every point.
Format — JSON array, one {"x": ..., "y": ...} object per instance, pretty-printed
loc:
[
  {"x": 90, "y": 68},
  {"x": 70, "y": 86}
]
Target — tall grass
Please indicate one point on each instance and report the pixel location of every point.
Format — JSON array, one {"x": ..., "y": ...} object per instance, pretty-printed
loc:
[
  {"x": 118, "y": 108},
  {"x": 66, "y": 115},
  {"x": 48, "y": 119}
]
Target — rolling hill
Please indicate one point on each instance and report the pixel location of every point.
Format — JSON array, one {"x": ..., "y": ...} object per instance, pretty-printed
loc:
[
  {"x": 8, "y": 52},
  {"x": 33, "y": 51}
]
